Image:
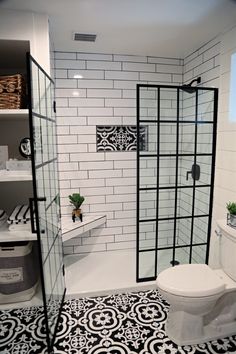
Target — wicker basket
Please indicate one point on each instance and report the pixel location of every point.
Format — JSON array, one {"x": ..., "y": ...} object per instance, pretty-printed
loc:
[{"x": 12, "y": 92}]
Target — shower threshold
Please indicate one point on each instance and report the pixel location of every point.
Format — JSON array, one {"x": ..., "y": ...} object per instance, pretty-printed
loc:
[{"x": 103, "y": 273}]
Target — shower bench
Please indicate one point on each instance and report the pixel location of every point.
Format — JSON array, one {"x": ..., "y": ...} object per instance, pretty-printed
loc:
[{"x": 72, "y": 229}]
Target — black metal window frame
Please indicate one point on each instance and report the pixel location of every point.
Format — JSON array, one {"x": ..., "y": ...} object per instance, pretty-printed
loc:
[{"x": 176, "y": 187}]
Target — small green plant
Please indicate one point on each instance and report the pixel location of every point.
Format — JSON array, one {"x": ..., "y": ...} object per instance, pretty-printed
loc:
[
  {"x": 231, "y": 207},
  {"x": 76, "y": 199}
]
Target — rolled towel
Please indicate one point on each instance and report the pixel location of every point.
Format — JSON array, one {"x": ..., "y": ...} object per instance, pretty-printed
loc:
[{"x": 21, "y": 214}]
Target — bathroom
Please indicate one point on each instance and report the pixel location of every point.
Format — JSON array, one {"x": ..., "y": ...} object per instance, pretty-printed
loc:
[{"x": 95, "y": 93}]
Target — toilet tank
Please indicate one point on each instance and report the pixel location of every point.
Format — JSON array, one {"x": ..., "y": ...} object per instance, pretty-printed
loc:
[{"x": 227, "y": 251}]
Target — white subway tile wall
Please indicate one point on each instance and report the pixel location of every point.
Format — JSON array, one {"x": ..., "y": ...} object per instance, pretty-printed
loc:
[
  {"x": 203, "y": 62},
  {"x": 225, "y": 186},
  {"x": 100, "y": 89}
]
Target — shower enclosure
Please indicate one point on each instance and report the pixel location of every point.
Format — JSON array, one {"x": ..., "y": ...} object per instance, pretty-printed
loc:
[{"x": 175, "y": 176}]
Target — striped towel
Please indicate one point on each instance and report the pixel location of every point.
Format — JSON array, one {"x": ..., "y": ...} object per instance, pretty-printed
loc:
[
  {"x": 21, "y": 214},
  {"x": 3, "y": 217}
]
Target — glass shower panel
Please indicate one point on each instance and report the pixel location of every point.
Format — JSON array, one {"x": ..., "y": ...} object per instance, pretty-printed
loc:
[
  {"x": 149, "y": 146},
  {"x": 182, "y": 255},
  {"x": 164, "y": 257},
  {"x": 202, "y": 201},
  {"x": 200, "y": 230},
  {"x": 184, "y": 202},
  {"x": 35, "y": 89},
  {"x": 46, "y": 192},
  {"x": 186, "y": 138},
  {"x": 199, "y": 254},
  {"x": 166, "y": 207},
  {"x": 167, "y": 138},
  {"x": 206, "y": 100},
  {"x": 148, "y": 172},
  {"x": 184, "y": 171},
  {"x": 165, "y": 233},
  {"x": 175, "y": 192},
  {"x": 147, "y": 204},
  {"x": 204, "y": 138},
  {"x": 148, "y": 103},
  {"x": 42, "y": 94},
  {"x": 167, "y": 172},
  {"x": 147, "y": 232},
  {"x": 184, "y": 232},
  {"x": 146, "y": 268},
  {"x": 38, "y": 144},
  {"x": 205, "y": 163},
  {"x": 187, "y": 106},
  {"x": 168, "y": 104}
]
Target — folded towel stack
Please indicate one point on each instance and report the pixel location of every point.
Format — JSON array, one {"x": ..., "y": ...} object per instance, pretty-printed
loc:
[{"x": 19, "y": 220}]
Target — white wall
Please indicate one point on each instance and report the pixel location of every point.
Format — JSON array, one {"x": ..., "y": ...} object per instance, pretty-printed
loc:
[
  {"x": 33, "y": 27},
  {"x": 225, "y": 178},
  {"x": 204, "y": 62},
  {"x": 107, "y": 96}
]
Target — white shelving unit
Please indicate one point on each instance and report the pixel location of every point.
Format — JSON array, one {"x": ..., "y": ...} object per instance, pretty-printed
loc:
[
  {"x": 15, "y": 236},
  {"x": 72, "y": 229},
  {"x": 14, "y": 114},
  {"x": 13, "y": 176}
]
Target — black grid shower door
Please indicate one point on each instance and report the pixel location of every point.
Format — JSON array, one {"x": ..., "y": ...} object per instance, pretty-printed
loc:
[
  {"x": 46, "y": 193},
  {"x": 175, "y": 176}
]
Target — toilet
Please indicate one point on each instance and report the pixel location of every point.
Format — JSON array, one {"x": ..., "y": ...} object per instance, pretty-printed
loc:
[{"x": 202, "y": 300}]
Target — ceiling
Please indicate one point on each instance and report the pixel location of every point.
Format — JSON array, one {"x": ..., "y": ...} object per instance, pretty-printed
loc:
[{"x": 167, "y": 28}]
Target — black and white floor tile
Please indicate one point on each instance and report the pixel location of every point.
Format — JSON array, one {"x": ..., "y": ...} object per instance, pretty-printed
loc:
[{"x": 118, "y": 324}]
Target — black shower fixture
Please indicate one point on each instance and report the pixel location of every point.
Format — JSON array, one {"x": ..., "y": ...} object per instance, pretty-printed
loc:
[{"x": 188, "y": 87}]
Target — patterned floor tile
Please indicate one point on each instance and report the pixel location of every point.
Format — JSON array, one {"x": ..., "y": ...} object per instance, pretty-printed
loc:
[{"x": 118, "y": 324}]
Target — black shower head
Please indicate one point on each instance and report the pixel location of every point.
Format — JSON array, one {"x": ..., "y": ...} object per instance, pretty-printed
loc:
[{"x": 188, "y": 87}]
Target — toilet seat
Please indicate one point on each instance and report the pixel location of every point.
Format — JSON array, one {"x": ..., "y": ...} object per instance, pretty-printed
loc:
[{"x": 190, "y": 280}]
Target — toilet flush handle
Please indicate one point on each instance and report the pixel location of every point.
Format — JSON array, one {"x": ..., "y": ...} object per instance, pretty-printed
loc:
[{"x": 218, "y": 233}]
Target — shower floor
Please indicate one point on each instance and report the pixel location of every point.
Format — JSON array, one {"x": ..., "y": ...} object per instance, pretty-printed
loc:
[{"x": 110, "y": 272}]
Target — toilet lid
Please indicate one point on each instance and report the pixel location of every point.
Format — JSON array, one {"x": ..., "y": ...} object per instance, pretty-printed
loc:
[{"x": 193, "y": 280}]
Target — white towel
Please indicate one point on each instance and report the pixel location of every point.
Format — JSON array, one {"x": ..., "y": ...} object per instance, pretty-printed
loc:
[{"x": 21, "y": 214}]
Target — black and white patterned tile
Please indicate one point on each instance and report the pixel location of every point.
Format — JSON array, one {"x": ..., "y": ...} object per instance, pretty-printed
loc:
[
  {"x": 121, "y": 138},
  {"x": 117, "y": 324}
]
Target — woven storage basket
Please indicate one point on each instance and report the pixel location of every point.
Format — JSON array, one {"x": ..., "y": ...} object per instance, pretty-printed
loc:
[{"x": 12, "y": 92}]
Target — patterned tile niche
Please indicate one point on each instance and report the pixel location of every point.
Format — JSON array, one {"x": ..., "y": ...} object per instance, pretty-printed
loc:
[{"x": 121, "y": 138}]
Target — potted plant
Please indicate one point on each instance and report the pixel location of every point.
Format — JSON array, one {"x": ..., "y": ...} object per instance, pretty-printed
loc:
[
  {"x": 231, "y": 207},
  {"x": 76, "y": 199}
]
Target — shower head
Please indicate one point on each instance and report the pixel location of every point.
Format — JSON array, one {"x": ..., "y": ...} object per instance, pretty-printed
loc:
[{"x": 188, "y": 87}]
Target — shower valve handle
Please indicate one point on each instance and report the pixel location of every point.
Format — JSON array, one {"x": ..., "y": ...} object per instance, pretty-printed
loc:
[
  {"x": 188, "y": 173},
  {"x": 194, "y": 172}
]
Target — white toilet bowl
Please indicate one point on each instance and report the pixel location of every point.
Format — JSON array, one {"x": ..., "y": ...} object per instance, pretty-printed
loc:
[{"x": 193, "y": 292}]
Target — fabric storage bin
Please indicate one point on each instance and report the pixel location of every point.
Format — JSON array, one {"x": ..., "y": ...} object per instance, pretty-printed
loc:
[{"x": 18, "y": 272}]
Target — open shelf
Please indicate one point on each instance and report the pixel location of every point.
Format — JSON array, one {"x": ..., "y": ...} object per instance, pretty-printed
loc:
[
  {"x": 11, "y": 176},
  {"x": 14, "y": 114},
  {"x": 72, "y": 229},
  {"x": 15, "y": 236}
]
